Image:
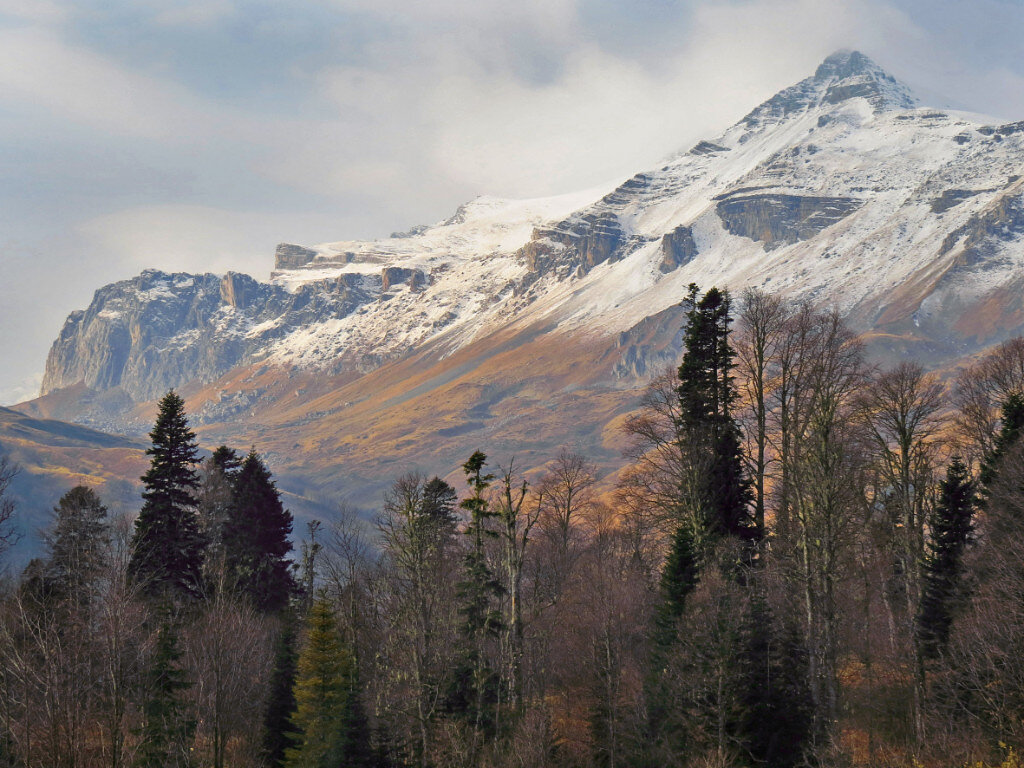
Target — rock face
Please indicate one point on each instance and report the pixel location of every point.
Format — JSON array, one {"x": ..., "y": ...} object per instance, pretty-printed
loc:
[
  {"x": 983, "y": 234},
  {"x": 580, "y": 242},
  {"x": 678, "y": 247},
  {"x": 775, "y": 219},
  {"x": 290, "y": 256},
  {"x": 160, "y": 330},
  {"x": 838, "y": 189}
]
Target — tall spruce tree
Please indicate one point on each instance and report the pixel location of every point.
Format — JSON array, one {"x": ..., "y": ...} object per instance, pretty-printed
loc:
[
  {"x": 950, "y": 525},
  {"x": 167, "y": 547},
  {"x": 167, "y": 729},
  {"x": 1012, "y": 425},
  {"x": 330, "y": 729},
  {"x": 255, "y": 538},
  {"x": 706, "y": 425},
  {"x": 714, "y": 502},
  {"x": 277, "y": 726},
  {"x": 474, "y": 688}
]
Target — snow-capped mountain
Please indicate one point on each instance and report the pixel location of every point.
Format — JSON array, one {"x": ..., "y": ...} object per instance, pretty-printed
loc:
[{"x": 841, "y": 188}]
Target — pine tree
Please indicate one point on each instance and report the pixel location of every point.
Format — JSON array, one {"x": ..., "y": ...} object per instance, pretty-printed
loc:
[
  {"x": 280, "y": 699},
  {"x": 950, "y": 526},
  {"x": 79, "y": 543},
  {"x": 330, "y": 727},
  {"x": 167, "y": 547},
  {"x": 255, "y": 539},
  {"x": 167, "y": 730}
]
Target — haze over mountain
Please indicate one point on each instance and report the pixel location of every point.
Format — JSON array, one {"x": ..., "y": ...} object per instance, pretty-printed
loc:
[{"x": 519, "y": 326}]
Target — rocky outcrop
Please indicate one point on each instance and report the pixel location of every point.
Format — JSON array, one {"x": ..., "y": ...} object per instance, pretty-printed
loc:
[
  {"x": 779, "y": 219},
  {"x": 678, "y": 248},
  {"x": 1000, "y": 222},
  {"x": 392, "y": 276},
  {"x": 583, "y": 241},
  {"x": 290, "y": 256},
  {"x": 951, "y": 198},
  {"x": 161, "y": 330},
  {"x": 707, "y": 148}
]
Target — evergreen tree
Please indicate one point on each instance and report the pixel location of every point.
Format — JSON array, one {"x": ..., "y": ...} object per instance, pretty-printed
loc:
[
  {"x": 330, "y": 728},
  {"x": 280, "y": 700},
  {"x": 776, "y": 709},
  {"x": 79, "y": 543},
  {"x": 439, "y": 500},
  {"x": 255, "y": 539},
  {"x": 226, "y": 460},
  {"x": 167, "y": 547},
  {"x": 167, "y": 730},
  {"x": 950, "y": 526},
  {"x": 474, "y": 687},
  {"x": 678, "y": 578},
  {"x": 706, "y": 426},
  {"x": 1009, "y": 434}
]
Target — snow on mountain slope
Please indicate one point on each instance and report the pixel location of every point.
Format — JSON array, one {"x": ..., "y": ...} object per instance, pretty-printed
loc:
[{"x": 839, "y": 188}]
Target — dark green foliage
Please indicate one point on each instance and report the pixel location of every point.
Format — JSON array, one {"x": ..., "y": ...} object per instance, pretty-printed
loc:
[
  {"x": 950, "y": 526},
  {"x": 255, "y": 539},
  {"x": 227, "y": 460},
  {"x": 167, "y": 730},
  {"x": 1009, "y": 434},
  {"x": 706, "y": 427},
  {"x": 167, "y": 547},
  {"x": 474, "y": 687},
  {"x": 329, "y": 723},
  {"x": 79, "y": 543},
  {"x": 439, "y": 501},
  {"x": 679, "y": 576},
  {"x": 280, "y": 700},
  {"x": 776, "y": 711}
]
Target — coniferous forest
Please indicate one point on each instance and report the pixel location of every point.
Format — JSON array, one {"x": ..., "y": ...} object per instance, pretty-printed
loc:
[{"x": 806, "y": 561}]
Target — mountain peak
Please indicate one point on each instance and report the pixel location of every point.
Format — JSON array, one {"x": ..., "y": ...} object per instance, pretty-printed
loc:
[
  {"x": 847, "y": 63},
  {"x": 844, "y": 75}
]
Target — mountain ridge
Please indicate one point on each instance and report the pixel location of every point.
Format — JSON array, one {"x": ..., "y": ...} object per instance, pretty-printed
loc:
[{"x": 360, "y": 356}]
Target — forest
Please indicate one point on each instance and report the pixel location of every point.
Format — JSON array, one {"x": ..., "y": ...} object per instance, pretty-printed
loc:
[{"x": 806, "y": 561}]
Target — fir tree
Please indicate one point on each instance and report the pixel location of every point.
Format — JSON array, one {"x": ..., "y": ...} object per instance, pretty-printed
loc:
[
  {"x": 678, "y": 578},
  {"x": 329, "y": 725},
  {"x": 167, "y": 547},
  {"x": 1009, "y": 434},
  {"x": 706, "y": 426},
  {"x": 439, "y": 500},
  {"x": 255, "y": 539},
  {"x": 167, "y": 731},
  {"x": 950, "y": 526},
  {"x": 473, "y": 691},
  {"x": 775, "y": 704},
  {"x": 280, "y": 700}
]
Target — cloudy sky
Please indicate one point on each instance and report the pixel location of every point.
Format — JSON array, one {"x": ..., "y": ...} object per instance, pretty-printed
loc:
[{"x": 197, "y": 134}]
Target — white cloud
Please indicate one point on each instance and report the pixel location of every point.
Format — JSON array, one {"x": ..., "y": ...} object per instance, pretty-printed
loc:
[
  {"x": 195, "y": 238},
  {"x": 38, "y": 69},
  {"x": 35, "y": 10}
]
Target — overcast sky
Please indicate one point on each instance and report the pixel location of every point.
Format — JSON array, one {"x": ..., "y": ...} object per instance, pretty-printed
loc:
[{"x": 196, "y": 135}]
